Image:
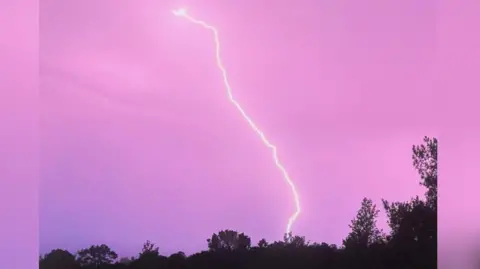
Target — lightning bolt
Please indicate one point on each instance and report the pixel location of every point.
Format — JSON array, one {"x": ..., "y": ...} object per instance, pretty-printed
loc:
[{"x": 182, "y": 12}]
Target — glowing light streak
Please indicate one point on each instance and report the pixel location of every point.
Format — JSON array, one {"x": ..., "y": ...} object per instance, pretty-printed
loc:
[{"x": 182, "y": 12}]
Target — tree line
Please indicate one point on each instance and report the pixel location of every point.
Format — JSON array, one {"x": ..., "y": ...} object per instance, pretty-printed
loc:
[{"x": 411, "y": 242}]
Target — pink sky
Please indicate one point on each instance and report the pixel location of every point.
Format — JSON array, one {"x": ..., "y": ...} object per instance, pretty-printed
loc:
[
  {"x": 19, "y": 132},
  {"x": 138, "y": 140}
]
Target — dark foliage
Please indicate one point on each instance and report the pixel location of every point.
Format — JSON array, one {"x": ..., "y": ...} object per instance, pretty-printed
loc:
[{"x": 411, "y": 243}]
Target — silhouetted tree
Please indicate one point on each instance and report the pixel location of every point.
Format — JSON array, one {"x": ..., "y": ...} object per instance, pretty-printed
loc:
[
  {"x": 425, "y": 161},
  {"x": 177, "y": 260},
  {"x": 58, "y": 259},
  {"x": 262, "y": 243},
  {"x": 229, "y": 240},
  {"x": 364, "y": 227},
  {"x": 397, "y": 211},
  {"x": 95, "y": 256},
  {"x": 277, "y": 244},
  {"x": 295, "y": 241},
  {"x": 149, "y": 249},
  {"x": 149, "y": 257},
  {"x": 413, "y": 238}
]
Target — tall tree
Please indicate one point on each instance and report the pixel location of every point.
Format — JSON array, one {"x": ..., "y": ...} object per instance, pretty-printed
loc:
[
  {"x": 426, "y": 163},
  {"x": 364, "y": 226},
  {"x": 229, "y": 240},
  {"x": 424, "y": 158},
  {"x": 412, "y": 216},
  {"x": 414, "y": 223},
  {"x": 96, "y": 255}
]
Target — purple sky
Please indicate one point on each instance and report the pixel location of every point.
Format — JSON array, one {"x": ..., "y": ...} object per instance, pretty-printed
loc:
[{"x": 138, "y": 140}]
